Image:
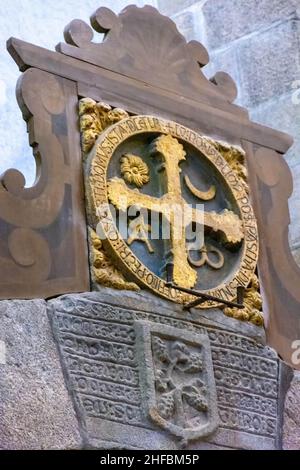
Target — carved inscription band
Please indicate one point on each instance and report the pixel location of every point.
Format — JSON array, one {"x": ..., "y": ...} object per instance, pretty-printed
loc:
[{"x": 99, "y": 159}]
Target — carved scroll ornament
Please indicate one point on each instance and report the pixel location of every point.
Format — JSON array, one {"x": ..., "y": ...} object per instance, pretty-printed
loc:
[
  {"x": 145, "y": 44},
  {"x": 38, "y": 241}
]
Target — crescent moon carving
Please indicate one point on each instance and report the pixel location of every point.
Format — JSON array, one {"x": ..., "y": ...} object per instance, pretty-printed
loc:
[{"x": 204, "y": 195}]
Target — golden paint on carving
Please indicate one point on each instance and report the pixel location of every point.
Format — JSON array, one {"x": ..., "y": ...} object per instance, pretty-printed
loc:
[
  {"x": 252, "y": 312},
  {"x": 203, "y": 195},
  {"x": 216, "y": 262},
  {"x": 227, "y": 223},
  {"x": 233, "y": 228},
  {"x": 104, "y": 272},
  {"x": 172, "y": 203},
  {"x": 94, "y": 118},
  {"x": 253, "y": 305},
  {"x": 138, "y": 231},
  {"x": 168, "y": 146},
  {"x": 235, "y": 157},
  {"x": 134, "y": 170}
]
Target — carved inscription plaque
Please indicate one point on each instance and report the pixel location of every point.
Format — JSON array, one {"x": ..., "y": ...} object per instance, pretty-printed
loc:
[
  {"x": 99, "y": 344},
  {"x": 177, "y": 380}
]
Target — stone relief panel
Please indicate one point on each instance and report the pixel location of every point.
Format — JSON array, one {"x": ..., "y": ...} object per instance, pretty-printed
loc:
[
  {"x": 177, "y": 380},
  {"x": 95, "y": 118},
  {"x": 100, "y": 349},
  {"x": 121, "y": 156}
]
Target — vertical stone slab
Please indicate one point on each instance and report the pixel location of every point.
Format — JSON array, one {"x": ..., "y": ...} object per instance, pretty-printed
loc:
[
  {"x": 36, "y": 411},
  {"x": 291, "y": 428},
  {"x": 104, "y": 355}
]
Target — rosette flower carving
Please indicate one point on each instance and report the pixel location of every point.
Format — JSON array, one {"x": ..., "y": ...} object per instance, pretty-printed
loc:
[{"x": 134, "y": 170}]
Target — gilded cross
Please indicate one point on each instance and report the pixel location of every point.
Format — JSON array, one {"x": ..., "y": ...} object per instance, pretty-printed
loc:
[{"x": 226, "y": 222}]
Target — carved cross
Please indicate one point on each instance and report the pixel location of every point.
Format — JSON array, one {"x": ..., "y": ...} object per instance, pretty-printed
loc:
[{"x": 227, "y": 222}]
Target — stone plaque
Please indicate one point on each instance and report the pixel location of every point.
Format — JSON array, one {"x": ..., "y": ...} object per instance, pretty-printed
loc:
[
  {"x": 104, "y": 344},
  {"x": 177, "y": 380},
  {"x": 167, "y": 172}
]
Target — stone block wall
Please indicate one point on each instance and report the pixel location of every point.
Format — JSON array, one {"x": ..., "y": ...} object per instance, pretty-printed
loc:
[
  {"x": 36, "y": 410},
  {"x": 258, "y": 43}
]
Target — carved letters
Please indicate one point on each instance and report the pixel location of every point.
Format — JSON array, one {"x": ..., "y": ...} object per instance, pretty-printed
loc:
[
  {"x": 100, "y": 194},
  {"x": 103, "y": 355}
]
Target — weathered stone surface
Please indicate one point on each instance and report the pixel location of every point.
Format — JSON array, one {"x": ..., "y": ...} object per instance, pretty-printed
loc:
[
  {"x": 296, "y": 254},
  {"x": 185, "y": 24},
  {"x": 36, "y": 411},
  {"x": 282, "y": 113},
  {"x": 268, "y": 63},
  {"x": 180, "y": 398},
  {"x": 226, "y": 61},
  {"x": 228, "y": 21},
  {"x": 291, "y": 429},
  {"x": 169, "y": 7},
  {"x": 96, "y": 333}
]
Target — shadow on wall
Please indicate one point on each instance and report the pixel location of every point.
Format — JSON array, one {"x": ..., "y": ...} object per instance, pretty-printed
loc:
[{"x": 34, "y": 21}]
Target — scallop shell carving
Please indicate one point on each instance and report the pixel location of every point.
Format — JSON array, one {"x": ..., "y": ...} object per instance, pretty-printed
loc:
[{"x": 143, "y": 44}]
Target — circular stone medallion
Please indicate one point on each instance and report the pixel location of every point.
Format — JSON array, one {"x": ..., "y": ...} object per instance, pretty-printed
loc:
[{"x": 153, "y": 165}]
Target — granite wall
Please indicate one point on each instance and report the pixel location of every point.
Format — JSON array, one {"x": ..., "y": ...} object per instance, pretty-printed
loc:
[
  {"x": 258, "y": 43},
  {"x": 36, "y": 410},
  {"x": 291, "y": 427}
]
